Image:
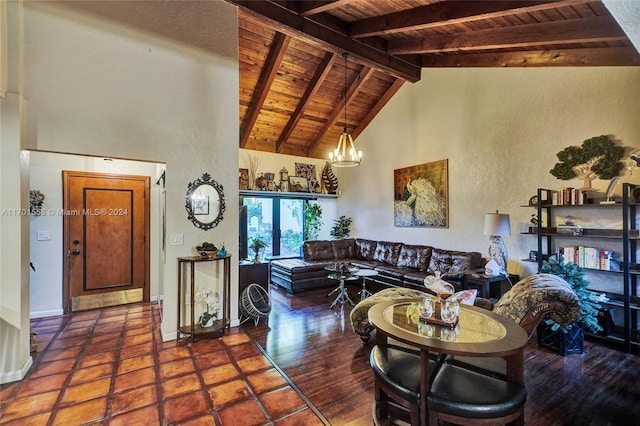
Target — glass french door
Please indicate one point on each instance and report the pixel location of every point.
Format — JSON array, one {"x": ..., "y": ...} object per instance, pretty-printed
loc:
[{"x": 278, "y": 222}]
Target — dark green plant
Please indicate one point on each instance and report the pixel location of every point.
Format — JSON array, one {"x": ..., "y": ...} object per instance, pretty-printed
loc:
[
  {"x": 597, "y": 157},
  {"x": 577, "y": 279},
  {"x": 312, "y": 219},
  {"x": 341, "y": 227}
]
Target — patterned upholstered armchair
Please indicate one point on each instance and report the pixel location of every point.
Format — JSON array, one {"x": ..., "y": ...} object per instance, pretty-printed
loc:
[{"x": 535, "y": 296}]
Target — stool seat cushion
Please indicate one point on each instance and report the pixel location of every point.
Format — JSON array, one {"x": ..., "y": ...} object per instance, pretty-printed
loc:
[
  {"x": 470, "y": 394},
  {"x": 399, "y": 369}
]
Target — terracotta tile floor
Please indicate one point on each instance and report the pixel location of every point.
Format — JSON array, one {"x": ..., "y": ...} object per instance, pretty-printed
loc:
[{"x": 110, "y": 367}]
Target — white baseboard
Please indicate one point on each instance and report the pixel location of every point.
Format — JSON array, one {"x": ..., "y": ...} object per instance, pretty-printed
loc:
[
  {"x": 14, "y": 376},
  {"x": 43, "y": 314},
  {"x": 168, "y": 336}
]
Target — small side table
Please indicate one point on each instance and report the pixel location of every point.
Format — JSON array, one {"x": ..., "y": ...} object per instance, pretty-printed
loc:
[
  {"x": 364, "y": 273},
  {"x": 484, "y": 284},
  {"x": 191, "y": 329},
  {"x": 250, "y": 272}
]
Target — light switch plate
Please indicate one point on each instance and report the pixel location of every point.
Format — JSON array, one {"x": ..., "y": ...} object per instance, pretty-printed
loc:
[
  {"x": 177, "y": 239},
  {"x": 43, "y": 236}
]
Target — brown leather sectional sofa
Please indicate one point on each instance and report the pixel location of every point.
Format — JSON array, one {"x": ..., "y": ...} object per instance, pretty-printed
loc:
[{"x": 397, "y": 264}]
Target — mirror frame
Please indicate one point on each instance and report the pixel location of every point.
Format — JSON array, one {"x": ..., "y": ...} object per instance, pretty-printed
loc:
[{"x": 191, "y": 188}]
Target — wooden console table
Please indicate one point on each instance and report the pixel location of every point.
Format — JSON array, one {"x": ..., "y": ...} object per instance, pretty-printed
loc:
[{"x": 220, "y": 325}]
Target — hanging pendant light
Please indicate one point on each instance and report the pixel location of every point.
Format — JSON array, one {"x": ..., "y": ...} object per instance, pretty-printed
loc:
[{"x": 345, "y": 154}]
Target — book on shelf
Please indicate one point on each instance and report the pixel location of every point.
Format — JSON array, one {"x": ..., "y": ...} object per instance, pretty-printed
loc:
[
  {"x": 588, "y": 257},
  {"x": 568, "y": 197}
]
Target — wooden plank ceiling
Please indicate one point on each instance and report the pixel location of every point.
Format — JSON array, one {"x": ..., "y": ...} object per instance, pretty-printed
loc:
[{"x": 292, "y": 70}]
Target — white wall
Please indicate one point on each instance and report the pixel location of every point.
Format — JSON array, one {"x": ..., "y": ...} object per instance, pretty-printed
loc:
[
  {"x": 14, "y": 252},
  {"x": 15, "y": 359},
  {"x": 500, "y": 129},
  {"x": 160, "y": 86},
  {"x": 46, "y": 282}
]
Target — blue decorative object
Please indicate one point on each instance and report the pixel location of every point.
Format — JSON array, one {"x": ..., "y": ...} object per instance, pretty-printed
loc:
[{"x": 222, "y": 252}]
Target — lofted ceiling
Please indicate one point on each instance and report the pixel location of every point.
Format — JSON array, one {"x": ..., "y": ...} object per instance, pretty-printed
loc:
[{"x": 292, "y": 70}]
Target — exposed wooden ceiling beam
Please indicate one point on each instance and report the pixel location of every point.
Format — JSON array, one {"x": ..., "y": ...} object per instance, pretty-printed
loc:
[
  {"x": 314, "y": 86},
  {"x": 268, "y": 74},
  {"x": 289, "y": 22},
  {"x": 308, "y": 8},
  {"x": 616, "y": 56},
  {"x": 448, "y": 13},
  {"x": 365, "y": 74},
  {"x": 386, "y": 97},
  {"x": 585, "y": 30}
]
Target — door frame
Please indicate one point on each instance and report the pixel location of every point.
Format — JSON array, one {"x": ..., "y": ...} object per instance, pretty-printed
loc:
[{"x": 66, "y": 244}]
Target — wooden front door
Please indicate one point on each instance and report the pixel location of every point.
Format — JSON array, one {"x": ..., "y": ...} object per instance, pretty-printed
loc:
[{"x": 106, "y": 240}]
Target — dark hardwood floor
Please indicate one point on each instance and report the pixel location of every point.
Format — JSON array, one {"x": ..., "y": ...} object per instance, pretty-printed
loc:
[{"x": 317, "y": 348}]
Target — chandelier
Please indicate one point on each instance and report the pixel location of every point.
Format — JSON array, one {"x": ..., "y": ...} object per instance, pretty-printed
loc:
[{"x": 345, "y": 154}]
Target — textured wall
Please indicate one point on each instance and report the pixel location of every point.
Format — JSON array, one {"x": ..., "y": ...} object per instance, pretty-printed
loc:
[
  {"x": 500, "y": 129},
  {"x": 134, "y": 80}
]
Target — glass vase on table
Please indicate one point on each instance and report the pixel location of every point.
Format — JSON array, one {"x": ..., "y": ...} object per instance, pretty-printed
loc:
[{"x": 449, "y": 311}]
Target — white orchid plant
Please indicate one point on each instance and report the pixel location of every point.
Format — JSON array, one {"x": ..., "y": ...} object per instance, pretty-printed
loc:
[{"x": 210, "y": 301}]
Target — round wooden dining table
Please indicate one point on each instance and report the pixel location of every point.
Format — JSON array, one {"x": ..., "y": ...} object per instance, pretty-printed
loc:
[{"x": 478, "y": 333}]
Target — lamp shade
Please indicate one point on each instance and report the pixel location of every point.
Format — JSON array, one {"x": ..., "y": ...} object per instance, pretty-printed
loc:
[{"x": 497, "y": 224}]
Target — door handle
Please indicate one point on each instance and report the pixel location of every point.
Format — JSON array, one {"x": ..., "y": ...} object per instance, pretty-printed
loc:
[{"x": 75, "y": 252}]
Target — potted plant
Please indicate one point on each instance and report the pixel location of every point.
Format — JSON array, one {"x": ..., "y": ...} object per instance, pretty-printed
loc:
[
  {"x": 312, "y": 220},
  {"x": 258, "y": 246},
  {"x": 340, "y": 228},
  {"x": 570, "y": 339},
  {"x": 209, "y": 299}
]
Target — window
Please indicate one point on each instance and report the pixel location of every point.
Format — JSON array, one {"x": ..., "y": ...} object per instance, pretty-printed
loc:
[{"x": 277, "y": 221}]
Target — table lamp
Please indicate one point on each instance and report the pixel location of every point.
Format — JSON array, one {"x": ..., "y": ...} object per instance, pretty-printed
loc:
[{"x": 497, "y": 225}]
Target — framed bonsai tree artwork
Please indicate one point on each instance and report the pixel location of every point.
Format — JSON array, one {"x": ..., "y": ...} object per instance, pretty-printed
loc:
[{"x": 421, "y": 195}]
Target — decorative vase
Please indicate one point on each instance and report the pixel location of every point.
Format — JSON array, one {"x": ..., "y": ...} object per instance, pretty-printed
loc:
[
  {"x": 261, "y": 182},
  {"x": 257, "y": 258},
  {"x": 207, "y": 319},
  {"x": 329, "y": 180}
]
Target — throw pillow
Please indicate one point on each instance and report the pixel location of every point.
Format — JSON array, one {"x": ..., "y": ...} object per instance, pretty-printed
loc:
[{"x": 466, "y": 297}]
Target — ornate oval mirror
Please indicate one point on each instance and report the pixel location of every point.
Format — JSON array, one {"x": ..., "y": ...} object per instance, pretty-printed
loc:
[{"x": 205, "y": 202}]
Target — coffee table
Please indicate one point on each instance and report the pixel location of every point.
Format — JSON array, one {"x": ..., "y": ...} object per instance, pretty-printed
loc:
[{"x": 479, "y": 333}]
